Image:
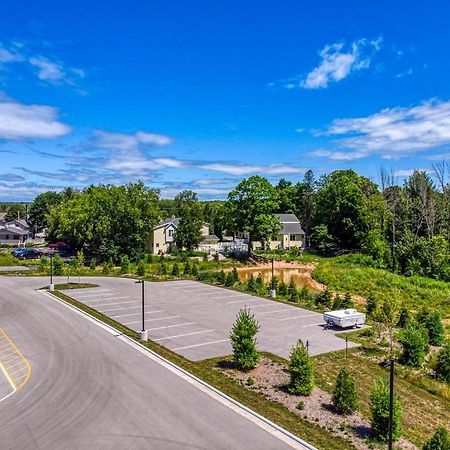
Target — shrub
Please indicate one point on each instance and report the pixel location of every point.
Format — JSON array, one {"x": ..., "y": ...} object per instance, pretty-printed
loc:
[
  {"x": 432, "y": 321},
  {"x": 344, "y": 392},
  {"x": 250, "y": 381},
  {"x": 292, "y": 290},
  {"x": 371, "y": 306},
  {"x": 405, "y": 317},
  {"x": 379, "y": 404},
  {"x": 243, "y": 340},
  {"x": 43, "y": 263},
  {"x": 259, "y": 284},
  {"x": 301, "y": 370},
  {"x": 141, "y": 268},
  {"x": 324, "y": 299},
  {"x": 415, "y": 345},
  {"x": 176, "y": 270},
  {"x": 439, "y": 441},
  {"x": 347, "y": 301},
  {"x": 282, "y": 289},
  {"x": 58, "y": 265},
  {"x": 105, "y": 269},
  {"x": 111, "y": 264},
  {"x": 187, "y": 268},
  {"x": 124, "y": 264},
  {"x": 235, "y": 276},
  {"x": 162, "y": 268},
  {"x": 221, "y": 277},
  {"x": 443, "y": 363},
  {"x": 229, "y": 281},
  {"x": 251, "y": 285},
  {"x": 304, "y": 293},
  {"x": 93, "y": 264},
  {"x": 337, "y": 302},
  {"x": 194, "y": 270},
  {"x": 300, "y": 406}
]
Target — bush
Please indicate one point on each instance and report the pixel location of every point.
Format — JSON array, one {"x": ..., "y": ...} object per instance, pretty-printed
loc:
[
  {"x": 194, "y": 270},
  {"x": 93, "y": 264},
  {"x": 405, "y": 317},
  {"x": 176, "y": 270},
  {"x": 251, "y": 285},
  {"x": 300, "y": 406},
  {"x": 344, "y": 392},
  {"x": 141, "y": 268},
  {"x": 292, "y": 291},
  {"x": 371, "y": 306},
  {"x": 415, "y": 345},
  {"x": 162, "y": 268},
  {"x": 282, "y": 289},
  {"x": 443, "y": 363},
  {"x": 43, "y": 263},
  {"x": 379, "y": 404},
  {"x": 259, "y": 283},
  {"x": 432, "y": 321},
  {"x": 58, "y": 265},
  {"x": 439, "y": 441},
  {"x": 243, "y": 340},
  {"x": 187, "y": 268},
  {"x": 304, "y": 293},
  {"x": 347, "y": 301},
  {"x": 221, "y": 277},
  {"x": 337, "y": 302},
  {"x": 235, "y": 276},
  {"x": 250, "y": 381},
  {"x": 301, "y": 370},
  {"x": 125, "y": 264},
  {"x": 229, "y": 281},
  {"x": 325, "y": 299},
  {"x": 105, "y": 269}
]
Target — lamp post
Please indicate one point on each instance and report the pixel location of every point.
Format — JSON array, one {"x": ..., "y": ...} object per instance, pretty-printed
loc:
[
  {"x": 51, "y": 286},
  {"x": 272, "y": 291},
  {"x": 390, "y": 364},
  {"x": 143, "y": 334}
]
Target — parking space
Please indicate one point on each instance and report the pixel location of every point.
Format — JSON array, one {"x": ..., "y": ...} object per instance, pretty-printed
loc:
[{"x": 194, "y": 319}]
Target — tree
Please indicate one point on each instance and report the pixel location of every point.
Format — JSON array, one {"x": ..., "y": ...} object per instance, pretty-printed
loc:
[
  {"x": 443, "y": 363},
  {"x": 221, "y": 277},
  {"x": 40, "y": 207},
  {"x": 324, "y": 299},
  {"x": 252, "y": 205},
  {"x": 405, "y": 317},
  {"x": 432, "y": 321},
  {"x": 292, "y": 290},
  {"x": 243, "y": 340},
  {"x": 301, "y": 370},
  {"x": 187, "y": 268},
  {"x": 141, "y": 268},
  {"x": 251, "y": 284},
  {"x": 176, "y": 270},
  {"x": 372, "y": 305},
  {"x": 189, "y": 230},
  {"x": 347, "y": 301},
  {"x": 58, "y": 265},
  {"x": 379, "y": 405},
  {"x": 125, "y": 264},
  {"x": 344, "y": 392},
  {"x": 415, "y": 345},
  {"x": 439, "y": 441}
]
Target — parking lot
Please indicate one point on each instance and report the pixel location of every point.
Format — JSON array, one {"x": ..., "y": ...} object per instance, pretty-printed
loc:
[{"x": 194, "y": 319}]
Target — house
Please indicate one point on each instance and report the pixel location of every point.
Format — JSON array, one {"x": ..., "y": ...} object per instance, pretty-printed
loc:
[
  {"x": 290, "y": 235},
  {"x": 162, "y": 237},
  {"x": 13, "y": 235}
]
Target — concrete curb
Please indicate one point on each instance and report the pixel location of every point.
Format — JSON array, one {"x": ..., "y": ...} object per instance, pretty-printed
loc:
[{"x": 260, "y": 420}]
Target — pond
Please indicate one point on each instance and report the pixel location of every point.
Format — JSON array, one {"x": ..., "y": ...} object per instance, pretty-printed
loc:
[{"x": 300, "y": 276}]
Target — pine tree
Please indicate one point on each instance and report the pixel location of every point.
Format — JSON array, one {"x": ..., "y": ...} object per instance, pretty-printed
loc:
[
  {"x": 229, "y": 280},
  {"x": 432, "y": 321},
  {"x": 337, "y": 302},
  {"x": 243, "y": 340},
  {"x": 282, "y": 289},
  {"x": 175, "y": 270},
  {"x": 259, "y": 284},
  {"x": 251, "y": 285},
  {"x": 415, "y": 345},
  {"x": 443, "y": 363},
  {"x": 125, "y": 264},
  {"x": 439, "y": 441},
  {"x": 292, "y": 291},
  {"x": 235, "y": 276},
  {"x": 301, "y": 370},
  {"x": 379, "y": 404},
  {"x": 221, "y": 277},
  {"x": 347, "y": 301},
  {"x": 194, "y": 270},
  {"x": 344, "y": 392}
]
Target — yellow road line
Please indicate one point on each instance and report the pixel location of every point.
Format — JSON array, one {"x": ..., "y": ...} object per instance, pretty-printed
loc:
[{"x": 18, "y": 355}]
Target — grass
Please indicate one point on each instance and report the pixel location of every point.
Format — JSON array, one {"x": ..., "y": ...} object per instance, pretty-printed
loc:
[
  {"x": 422, "y": 411},
  {"x": 65, "y": 286},
  {"x": 209, "y": 372},
  {"x": 7, "y": 259}
]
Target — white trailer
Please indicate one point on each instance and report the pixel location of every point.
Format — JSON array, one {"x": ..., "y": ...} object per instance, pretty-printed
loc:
[{"x": 344, "y": 318}]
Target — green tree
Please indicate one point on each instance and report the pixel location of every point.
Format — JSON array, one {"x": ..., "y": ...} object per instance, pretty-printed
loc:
[
  {"x": 141, "y": 268},
  {"x": 229, "y": 282},
  {"x": 405, "y": 317},
  {"x": 187, "y": 268},
  {"x": 58, "y": 265},
  {"x": 235, "y": 276},
  {"x": 243, "y": 340},
  {"x": 176, "y": 270},
  {"x": 325, "y": 299},
  {"x": 252, "y": 205},
  {"x": 301, "y": 370},
  {"x": 163, "y": 268},
  {"x": 124, "y": 264},
  {"x": 251, "y": 284},
  {"x": 221, "y": 277},
  {"x": 282, "y": 289},
  {"x": 414, "y": 341},
  {"x": 443, "y": 363},
  {"x": 189, "y": 230},
  {"x": 194, "y": 269},
  {"x": 432, "y": 321},
  {"x": 93, "y": 264},
  {"x": 379, "y": 405},
  {"x": 371, "y": 306},
  {"x": 40, "y": 207},
  {"x": 259, "y": 283},
  {"x": 344, "y": 392},
  {"x": 439, "y": 441},
  {"x": 347, "y": 301},
  {"x": 292, "y": 290}
]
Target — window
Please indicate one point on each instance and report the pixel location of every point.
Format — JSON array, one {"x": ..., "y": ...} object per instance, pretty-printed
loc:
[
  {"x": 170, "y": 233},
  {"x": 157, "y": 245},
  {"x": 16, "y": 237},
  {"x": 293, "y": 237}
]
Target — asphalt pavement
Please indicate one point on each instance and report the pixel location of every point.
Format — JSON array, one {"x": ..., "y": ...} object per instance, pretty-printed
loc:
[{"x": 89, "y": 389}]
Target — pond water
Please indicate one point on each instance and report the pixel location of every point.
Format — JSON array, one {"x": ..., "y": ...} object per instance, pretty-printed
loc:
[{"x": 301, "y": 277}]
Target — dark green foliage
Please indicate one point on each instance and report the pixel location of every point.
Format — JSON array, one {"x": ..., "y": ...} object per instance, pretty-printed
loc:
[
  {"x": 324, "y": 299},
  {"x": 176, "y": 270},
  {"x": 379, "y": 405},
  {"x": 443, "y": 363},
  {"x": 187, "y": 268},
  {"x": 371, "y": 306},
  {"x": 432, "y": 321},
  {"x": 303, "y": 293},
  {"x": 415, "y": 345},
  {"x": 292, "y": 291},
  {"x": 105, "y": 269},
  {"x": 243, "y": 340},
  {"x": 282, "y": 289},
  {"x": 251, "y": 284},
  {"x": 222, "y": 277},
  {"x": 141, "y": 268},
  {"x": 405, "y": 317},
  {"x": 347, "y": 301},
  {"x": 58, "y": 265},
  {"x": 337, "y": 302},
  {"x": 194, "y": 270},
  {"x": 162, "y": 268},
  {"x": 110, "y": 264},
  {"x": 124, "y": 264},
  {"x": 229, "y": 281},
  {"x": 439, "y": 441},
  {"x": 344, "y": 392},
  {"x": 301, "y": 370},
  {"x": 235, "y": 276},
  {"x": 93, "y": 264},
  {"x": 40, "y": 207},
  {"x": 189, "y": 230},
  {"x": 259, "y": 284}
]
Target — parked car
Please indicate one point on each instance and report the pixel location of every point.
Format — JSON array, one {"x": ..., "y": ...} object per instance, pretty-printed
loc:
[
  {"x": 57, "y": 245},
  {"x": 18, "y": 251},
  {"x": 29, "y": 253}
]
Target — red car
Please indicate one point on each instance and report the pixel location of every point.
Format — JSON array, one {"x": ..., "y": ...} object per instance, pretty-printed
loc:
[{"x": 57, "y": 246}]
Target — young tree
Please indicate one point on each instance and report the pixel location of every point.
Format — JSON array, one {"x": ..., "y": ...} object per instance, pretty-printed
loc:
[
  {"x": 187, "y": 268},
  {"x": 176, "y": 270},
  {"x": 301, "y": 370},
  {"x": 292, "y": 290},
  {"x": 58, "y": 265},
  {"x": 344, "y": 392},
  {"x": 125, "y": 264},
  {"x": 194, "y": 269},
  {"x": 235, "y": 276},
  {"x": 439, "y": 441},
  {"x": 252, "y": 205},
  {"x": 251, "y": 284},
  {"x": 189, "y": 231},
  {"x": 443, "y": 363},
  {"x": 415, "y": 345},
  {"x": 371, "y": 306},
  {"x": 324, "y": 299},
  {"x": 379, "y": 405},
  {"x": 229, "y": 281},
  {"x": 259, "y": 283},
  {"x": 93, "y": 264},
  {"x": 432, "y": 321},
  {"x": 283, "y": 289},
  {"x": 347, "y": 301},
  {"x": 405, "y": 317},
  {"x": 243, "y": 340},
  {"x": 221, "y": 277},
  {"x": 141, "y": 268},
  {"x": 40, "y": 207}
]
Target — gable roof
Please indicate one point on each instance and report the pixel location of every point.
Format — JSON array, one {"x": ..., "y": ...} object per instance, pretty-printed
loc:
[
  {"x": 13, "y": 230},
  {"x": 172, "y": 221},
  {"x": 289, "y": 224}
]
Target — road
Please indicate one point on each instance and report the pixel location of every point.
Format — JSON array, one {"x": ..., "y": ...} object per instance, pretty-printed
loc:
[{"x": 89, "y": 389}]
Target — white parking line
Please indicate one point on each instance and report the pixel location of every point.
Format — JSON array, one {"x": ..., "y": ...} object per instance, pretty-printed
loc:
[
  {"x": 95, "y": 294},
  {"x": 135, "y": 314},
  {"x": 299, "y": 317},
  {"x": 172, "y": 326},
  {"x": 121, "y": 309},
  {"x": 182, "y": 335},
  {"x": 99, "y": 300},
  {"x": 116, "y": 303},
  {"x": 273, "y": 312},
  {"x": 153, "y": 320},
  {"x": 265, "y": 305},
  {"x": 243, "y": 301},
  {"x": 198, "y": 345}
]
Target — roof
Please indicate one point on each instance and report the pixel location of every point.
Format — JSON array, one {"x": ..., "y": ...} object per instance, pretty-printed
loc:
[
  {"x": 21, "y": 222},
  {"x": 172, "y": 220},
  {"x": 289, "y": 224},
  {"x": 211, "y": 237},
  {"x": 13, "y": 230}
]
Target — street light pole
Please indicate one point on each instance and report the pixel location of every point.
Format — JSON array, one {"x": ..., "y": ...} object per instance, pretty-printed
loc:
[
  {"x": 143, "y": 334},
  {"x": 272, "y": 291},
  {"x": 391, "y": 402},
  {"x": 51, "y": 286}
]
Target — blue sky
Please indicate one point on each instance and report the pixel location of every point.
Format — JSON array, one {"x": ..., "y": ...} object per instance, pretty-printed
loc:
[{"x": 200, "y": 94}]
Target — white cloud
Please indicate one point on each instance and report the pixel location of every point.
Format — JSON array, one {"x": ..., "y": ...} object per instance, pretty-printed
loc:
[
  {"x": 55, "y": 72},
  {"x": 394, "y": 132},
  {"x": 18, "y": 121},
  {"x": 242, "y": 169},
  {"x": 8, "y": 55},
  {"x": 337, "y": 63},
  {"x": 409, "y": 172},
  {"x": 123, "y": 141}
]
